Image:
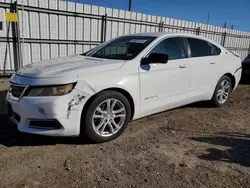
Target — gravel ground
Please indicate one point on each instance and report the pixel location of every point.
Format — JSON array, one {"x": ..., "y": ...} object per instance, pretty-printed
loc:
[{"x": 192, "y": 146}]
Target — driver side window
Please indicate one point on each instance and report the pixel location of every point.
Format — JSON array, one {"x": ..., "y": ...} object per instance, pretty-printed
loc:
[{"x": 173, "y": 47}]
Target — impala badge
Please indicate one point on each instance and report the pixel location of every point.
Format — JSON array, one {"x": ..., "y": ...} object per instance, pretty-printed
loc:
[{"x": 152, "y": 97}]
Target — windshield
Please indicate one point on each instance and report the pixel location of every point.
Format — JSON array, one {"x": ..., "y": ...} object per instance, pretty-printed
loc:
[{"x": 124, "y": 48}]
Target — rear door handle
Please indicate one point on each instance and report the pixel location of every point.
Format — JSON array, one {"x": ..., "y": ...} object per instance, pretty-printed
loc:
[
  {"x": 183, "y": 66},
  {"x": 212, "y": 63}
]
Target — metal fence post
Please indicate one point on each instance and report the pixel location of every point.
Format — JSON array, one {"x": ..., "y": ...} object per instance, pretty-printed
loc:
[
  {"x": 104, "y": 28},
  {"x": 159, "y": 29},
  {"x": 15, "y": 36},
  {"x": 20, "y": 63},
  {"x": 223, "y": 39},
  {"x": 197, "y": 31},
  {"x": 249, "y": 48},
  {"x": 161, "y": 25}
]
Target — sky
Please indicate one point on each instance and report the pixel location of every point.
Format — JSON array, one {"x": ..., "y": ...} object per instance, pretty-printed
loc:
[{"x": 234, "y": 12}]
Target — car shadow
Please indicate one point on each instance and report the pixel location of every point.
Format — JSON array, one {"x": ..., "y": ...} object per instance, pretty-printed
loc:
[
  {"x": 238, "y": 152},
  {"x": 202, "y": 104},
  {"x": 2, "y": 102},
  {"x": 245, "y": 80}
]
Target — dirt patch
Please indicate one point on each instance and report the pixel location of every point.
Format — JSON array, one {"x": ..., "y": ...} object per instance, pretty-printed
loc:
[{"x": 193, "y": 146}]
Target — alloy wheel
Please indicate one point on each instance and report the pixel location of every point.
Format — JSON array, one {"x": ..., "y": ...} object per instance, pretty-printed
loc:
[
  {"x": 223, "y": 91},
  {"x": 109, "y": 117}
]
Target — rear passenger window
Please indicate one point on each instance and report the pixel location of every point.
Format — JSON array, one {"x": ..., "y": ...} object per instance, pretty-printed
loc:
[{"x": 200, "y": 48}]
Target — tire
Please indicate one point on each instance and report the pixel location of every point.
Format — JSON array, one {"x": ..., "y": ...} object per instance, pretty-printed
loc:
[
  {"x": 98, "y": 116},
  {"x": 216, "y": 99}
]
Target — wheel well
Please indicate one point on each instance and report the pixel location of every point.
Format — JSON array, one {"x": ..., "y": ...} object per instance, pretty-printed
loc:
[
  {"x": 122, "y": 91},
  {"x": 128, "y": 96},
  {"x": 232, "y": 79}
]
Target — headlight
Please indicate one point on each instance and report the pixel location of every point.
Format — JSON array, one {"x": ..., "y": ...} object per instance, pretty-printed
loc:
[{"x": 50, "y": 90}]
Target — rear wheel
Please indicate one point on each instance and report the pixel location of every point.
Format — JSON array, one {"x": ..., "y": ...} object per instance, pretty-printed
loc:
[
  {"x": 222, "y": 91},
  {"x": 107, "y": 116}
]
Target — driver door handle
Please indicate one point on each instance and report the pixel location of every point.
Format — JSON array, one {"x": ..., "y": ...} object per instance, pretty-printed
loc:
[
  {"x": 183, "y": 66},
  {"x": 212, "y": 63}
]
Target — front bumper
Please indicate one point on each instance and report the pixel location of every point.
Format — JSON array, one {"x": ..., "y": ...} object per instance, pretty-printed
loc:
[{"x": 66, "y": 110}]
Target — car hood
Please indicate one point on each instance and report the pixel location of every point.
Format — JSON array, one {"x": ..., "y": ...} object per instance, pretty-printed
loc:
[{"x": 71, "y": 66}]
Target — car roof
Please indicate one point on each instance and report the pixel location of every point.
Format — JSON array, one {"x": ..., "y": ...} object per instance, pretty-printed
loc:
[
  {"x": 150, "y": 34},
  {"x": 163, "y": 34},
  {"x": 169, "y": 34}
]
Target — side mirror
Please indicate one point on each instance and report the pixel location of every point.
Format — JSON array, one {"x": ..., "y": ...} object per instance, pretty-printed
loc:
[{"x": 155, "y": 58}]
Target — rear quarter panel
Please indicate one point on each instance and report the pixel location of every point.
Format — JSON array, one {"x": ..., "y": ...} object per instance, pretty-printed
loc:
[{"x": 229, "y": 63}]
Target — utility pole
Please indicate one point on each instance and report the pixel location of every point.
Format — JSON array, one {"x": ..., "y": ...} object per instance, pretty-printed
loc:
[
  {"x": 225, "y": 25},
  {"x": 129, "y": 5},
  {"x": 22, "y": 32},
  {"x": 208, "y": 18}
]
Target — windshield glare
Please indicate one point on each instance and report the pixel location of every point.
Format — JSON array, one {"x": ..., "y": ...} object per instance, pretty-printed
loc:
[{"x": 124, "y": 48}]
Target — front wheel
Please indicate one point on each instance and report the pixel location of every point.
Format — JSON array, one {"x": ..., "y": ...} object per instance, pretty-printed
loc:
[
  {"x": 222, "y": 91},
  {"x": 107, "y": 116}
]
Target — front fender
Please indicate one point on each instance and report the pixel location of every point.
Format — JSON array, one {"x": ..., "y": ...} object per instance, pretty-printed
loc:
[{"x": 91, "y": 87}]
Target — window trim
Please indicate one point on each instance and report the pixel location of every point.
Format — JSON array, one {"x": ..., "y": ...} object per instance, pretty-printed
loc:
[
  {"x": 209, "y": 43},
  {"x": 214, "y": 53},
  {"x": 189, "y": 53},
  {"x": 215, "y": 49},
  {"x": 152, "y": 47}
]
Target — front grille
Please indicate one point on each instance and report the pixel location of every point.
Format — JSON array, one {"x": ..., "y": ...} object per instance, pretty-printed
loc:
[{"x": 17, "y": 90}]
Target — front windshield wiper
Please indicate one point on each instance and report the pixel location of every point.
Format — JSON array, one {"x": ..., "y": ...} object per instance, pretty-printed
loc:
[
  {"x": 124, "y": 57},
  {"x": 85, "y": 53}
]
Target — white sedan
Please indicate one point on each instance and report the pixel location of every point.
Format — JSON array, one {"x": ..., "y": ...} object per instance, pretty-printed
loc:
[{"x": 97, "y": 93}]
